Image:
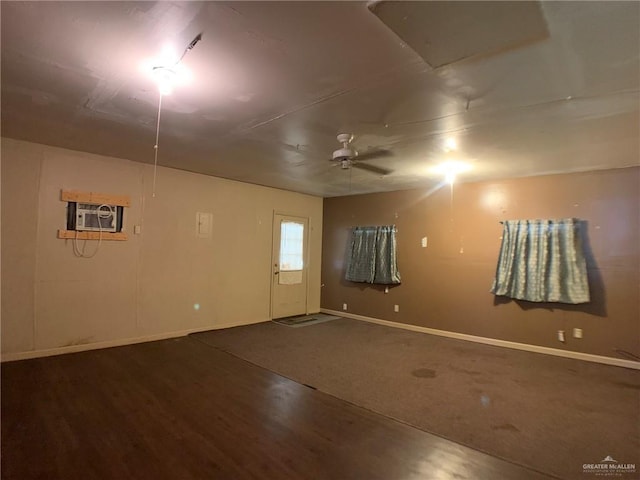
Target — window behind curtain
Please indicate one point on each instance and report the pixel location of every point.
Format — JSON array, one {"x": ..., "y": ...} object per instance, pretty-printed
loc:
[{"x": 372, "y": 256}]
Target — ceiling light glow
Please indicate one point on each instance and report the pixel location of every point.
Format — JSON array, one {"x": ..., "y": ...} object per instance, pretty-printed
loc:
[
  {"x": 450, "y": 144},
  {"x": 168, "y": 55},
  {"x": 165, "y": 77},
  {"x": 167, "y": 71},
  {"x": 451, "y": 169},
  {"x": 168, "y": 77},
  {"x": 450, "y": 177}
]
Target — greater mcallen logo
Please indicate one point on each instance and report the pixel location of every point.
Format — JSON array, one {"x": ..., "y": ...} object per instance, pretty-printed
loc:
[{"x": 609, "y": 467}]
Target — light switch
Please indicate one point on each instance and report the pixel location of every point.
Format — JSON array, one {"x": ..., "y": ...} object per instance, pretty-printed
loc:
[
  {"x": 424, "y": 242},
  {"x": 204, "y": 224}
]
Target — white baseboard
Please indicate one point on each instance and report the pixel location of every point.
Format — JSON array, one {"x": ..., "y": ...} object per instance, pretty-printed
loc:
[
  {"x": 588, "y": 357},
  {"x": 9, "y": 357}
]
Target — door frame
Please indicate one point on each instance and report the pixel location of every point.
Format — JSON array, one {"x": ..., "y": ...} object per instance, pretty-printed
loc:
[{"x": 307, "y": 256}]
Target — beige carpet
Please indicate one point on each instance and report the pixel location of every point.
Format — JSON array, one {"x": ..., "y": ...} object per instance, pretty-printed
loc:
[{"x": 548, "y": 413}]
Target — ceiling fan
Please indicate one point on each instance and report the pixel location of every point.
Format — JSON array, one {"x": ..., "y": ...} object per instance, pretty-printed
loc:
[{"x": 347, "y": 156}]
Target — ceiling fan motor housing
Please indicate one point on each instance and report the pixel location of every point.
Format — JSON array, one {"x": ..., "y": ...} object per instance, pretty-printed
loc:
[{"x": 343, "y": 154}]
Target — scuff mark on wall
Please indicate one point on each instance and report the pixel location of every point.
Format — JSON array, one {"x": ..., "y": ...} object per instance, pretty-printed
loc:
[{"x": 78, "y": 341}]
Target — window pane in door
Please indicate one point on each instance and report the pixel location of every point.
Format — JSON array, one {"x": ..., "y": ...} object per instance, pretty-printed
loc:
[{"x": 291, "y": 246}]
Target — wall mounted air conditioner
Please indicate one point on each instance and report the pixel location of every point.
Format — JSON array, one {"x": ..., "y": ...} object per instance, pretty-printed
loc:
[{"x": 95, "y": 218}]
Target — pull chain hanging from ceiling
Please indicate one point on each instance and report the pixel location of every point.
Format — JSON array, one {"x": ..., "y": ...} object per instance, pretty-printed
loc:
[
  {"x": 155, "y": 147},
  {"x": 166, "y": 76}
]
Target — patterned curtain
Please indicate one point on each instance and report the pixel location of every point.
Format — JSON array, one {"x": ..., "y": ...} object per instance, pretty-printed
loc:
[
  {"x": 542, "y": 261},
  {"x": 372, "y": 256}
]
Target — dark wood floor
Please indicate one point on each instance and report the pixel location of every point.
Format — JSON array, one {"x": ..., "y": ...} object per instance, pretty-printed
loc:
[{"x": 179, "y": 409}]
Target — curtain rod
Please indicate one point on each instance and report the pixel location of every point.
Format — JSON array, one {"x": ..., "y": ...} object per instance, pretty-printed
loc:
[
  {"x": 373, "y": 226},
  {"x": 501, "y": 222}
]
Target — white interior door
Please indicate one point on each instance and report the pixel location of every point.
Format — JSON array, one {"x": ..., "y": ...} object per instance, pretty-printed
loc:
[{"x": 289, "y": 279}]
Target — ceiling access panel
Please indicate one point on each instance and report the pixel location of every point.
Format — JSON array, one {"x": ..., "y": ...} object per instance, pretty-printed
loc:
[{"x": 446, "y": 32}]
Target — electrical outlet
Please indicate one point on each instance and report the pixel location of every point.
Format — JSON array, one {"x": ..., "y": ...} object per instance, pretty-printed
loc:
[
  {"x": 561, "y": 336},
  {"x": 344, "y": 306},
  {"x": 577, "y": 333},
  {"x": 396, "y": 308}
]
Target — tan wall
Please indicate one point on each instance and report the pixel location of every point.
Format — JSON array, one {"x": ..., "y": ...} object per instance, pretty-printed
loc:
[
  {"x": 146, "y": 286},
  {"x": 446, "y": 285}
]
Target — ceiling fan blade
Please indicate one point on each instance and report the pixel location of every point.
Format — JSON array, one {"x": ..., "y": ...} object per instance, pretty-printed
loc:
[
  {"x": 371, "y": 154},
  {"x": 372, "y": 168}
]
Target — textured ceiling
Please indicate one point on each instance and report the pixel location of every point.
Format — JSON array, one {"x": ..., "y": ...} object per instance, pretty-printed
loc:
[{"x": 274, "y": 82}]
